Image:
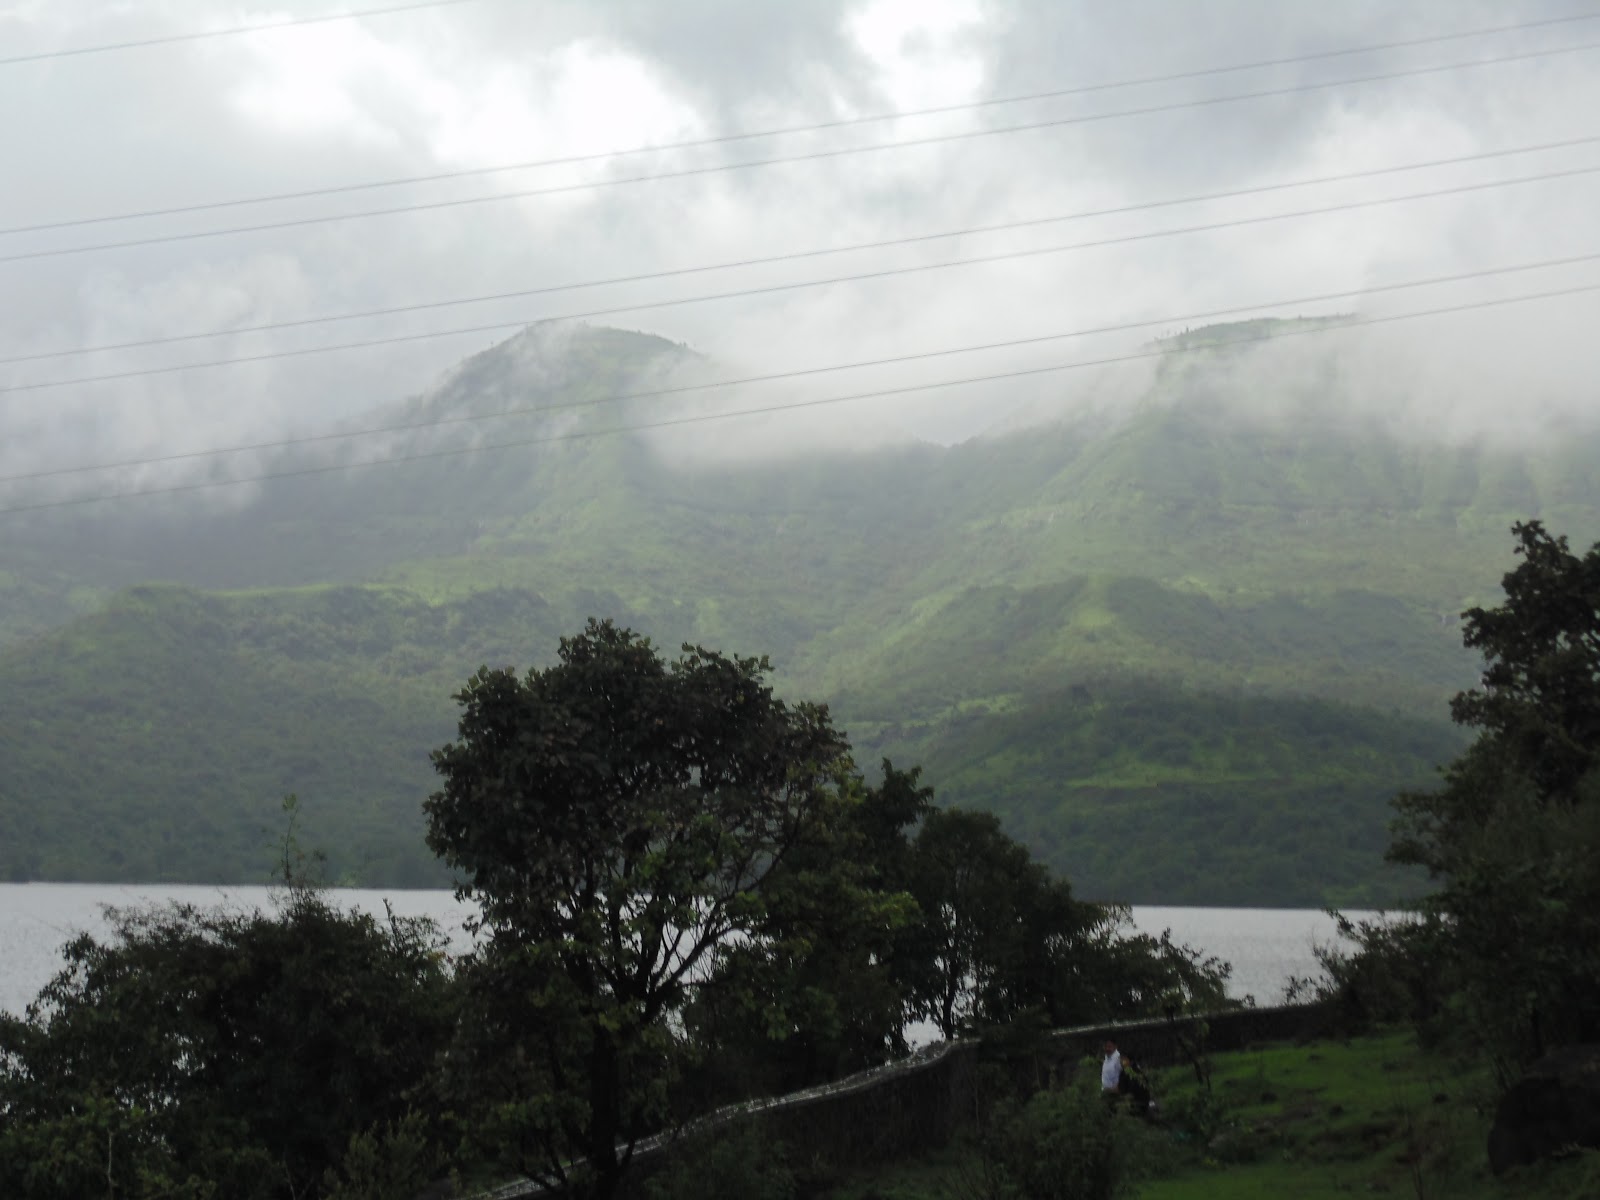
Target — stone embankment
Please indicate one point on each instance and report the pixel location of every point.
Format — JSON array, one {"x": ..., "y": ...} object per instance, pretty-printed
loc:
[{"x": 918, "y": 1103}]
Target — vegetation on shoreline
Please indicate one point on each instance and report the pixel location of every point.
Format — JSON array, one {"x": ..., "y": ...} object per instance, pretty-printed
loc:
[{"x": 691, "y": 895}]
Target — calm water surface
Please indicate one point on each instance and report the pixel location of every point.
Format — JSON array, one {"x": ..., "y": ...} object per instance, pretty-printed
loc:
[{"x": 1265, "y": 945}]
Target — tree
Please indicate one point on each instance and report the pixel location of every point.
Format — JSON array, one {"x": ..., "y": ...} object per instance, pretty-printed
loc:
[
  {"x": 974, "y": 886},
  {"x": 821, "y": 992},
  {"x": 202, "y": 1053},
  {"x": 622, "y": 821},
  {"x": 998, "y": 936},
  {"x": 1540, "y": 700},
  {"x": 1512, "y": 837}
]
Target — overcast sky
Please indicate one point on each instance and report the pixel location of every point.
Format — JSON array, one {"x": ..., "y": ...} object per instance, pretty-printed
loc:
[{"x": 497, "y": 82}]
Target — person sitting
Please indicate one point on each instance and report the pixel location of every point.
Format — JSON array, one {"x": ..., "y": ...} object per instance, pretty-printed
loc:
[{"x": 1133, "y": 1084}]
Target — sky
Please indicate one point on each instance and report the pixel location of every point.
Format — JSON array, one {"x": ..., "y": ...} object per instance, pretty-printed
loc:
[{"x": 491, "y": 83}]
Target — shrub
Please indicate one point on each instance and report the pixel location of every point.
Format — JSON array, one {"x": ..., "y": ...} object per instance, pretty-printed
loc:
[
  {"x": 1063, "y": 1144},
  {"x": 239, "y": 1049},
  {"x": 740, "y": 1164}
]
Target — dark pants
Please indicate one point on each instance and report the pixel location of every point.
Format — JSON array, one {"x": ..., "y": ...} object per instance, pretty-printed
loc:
[{"x": 1138, "y": 1093}]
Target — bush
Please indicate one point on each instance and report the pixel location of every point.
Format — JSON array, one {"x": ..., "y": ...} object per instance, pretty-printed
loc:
[
  {"x": 242, "y": 1050},
  {"x": 386, "y": 1164},
  {"x": 1387, "y": 971},
  {"x": 1064, "y": 1144},
  {"x": 1199, "y": 1116},
  {"x": 740, "y": 1164}
]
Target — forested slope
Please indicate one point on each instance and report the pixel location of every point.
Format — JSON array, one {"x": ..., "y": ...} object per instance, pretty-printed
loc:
[{"x": 1178, "y": 626}]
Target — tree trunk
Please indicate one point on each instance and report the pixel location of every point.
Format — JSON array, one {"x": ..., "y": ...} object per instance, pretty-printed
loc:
[{"x": 605, "y": 1101}]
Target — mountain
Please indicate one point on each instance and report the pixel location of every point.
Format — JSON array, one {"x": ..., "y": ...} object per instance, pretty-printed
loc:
[{"x": 1187, "y": 645}]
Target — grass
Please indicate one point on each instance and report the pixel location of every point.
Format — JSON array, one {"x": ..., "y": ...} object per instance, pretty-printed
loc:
[{"x": 1373, "y": 1116}]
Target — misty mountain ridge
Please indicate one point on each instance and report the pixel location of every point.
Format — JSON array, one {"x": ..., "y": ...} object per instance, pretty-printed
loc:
[
  {"x": 1136, "y": 564},
  {"x": 590, "y": 380},
  {"x": 550, "y": 363}
]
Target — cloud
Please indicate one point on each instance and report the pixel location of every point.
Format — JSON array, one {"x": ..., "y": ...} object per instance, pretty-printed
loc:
[{"x": 485, "y": 85}]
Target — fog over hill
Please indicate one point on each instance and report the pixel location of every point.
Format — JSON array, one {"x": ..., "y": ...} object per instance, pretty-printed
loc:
[
  {"x": 482, "y": 87},
  {"x": 1208, "y": 604}
]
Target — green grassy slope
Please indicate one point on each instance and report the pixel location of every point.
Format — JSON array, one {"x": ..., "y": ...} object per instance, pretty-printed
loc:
[
  {"x": 1325, "y": 1120},
  {"x": 160, "y": 734},
  {"x": 985, "y": 641},
  {"x": 1145, "y": 793},
  {"x": 154, "y": 740},
  {"x": 943, "y": 599}
]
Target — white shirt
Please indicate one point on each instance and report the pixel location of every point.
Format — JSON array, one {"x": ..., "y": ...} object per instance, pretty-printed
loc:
[{"x": 1111, "y": 1071}]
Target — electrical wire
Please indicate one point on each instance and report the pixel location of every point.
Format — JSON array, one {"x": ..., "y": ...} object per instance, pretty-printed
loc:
[
  {"x": 286, "y": 23},
  {"x": 817, "y": 127},
  {"x": 790, "y": 406},
  {"x": 840, "y": 152},
  {"x": 897, "y": 360},
  {"x": 771, "y": 289},
  {"x": 793, "y": 256}
]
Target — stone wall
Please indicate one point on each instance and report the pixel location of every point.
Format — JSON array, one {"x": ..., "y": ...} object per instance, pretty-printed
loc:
[{"x": 909, "y": 1107}]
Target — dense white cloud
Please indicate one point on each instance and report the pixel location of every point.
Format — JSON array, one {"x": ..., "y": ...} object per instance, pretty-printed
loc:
[{"x": 506, "y": 81}]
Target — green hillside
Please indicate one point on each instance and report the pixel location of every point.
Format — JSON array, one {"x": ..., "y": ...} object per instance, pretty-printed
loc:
[
  {"x": 1145, "y": 792},
  {"x": 1219, "y": 627},
  {"x": 166, "y": 728}
]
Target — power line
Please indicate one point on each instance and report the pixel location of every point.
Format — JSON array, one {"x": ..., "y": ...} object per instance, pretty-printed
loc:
[
  {"x": 767, "y": 260},
  {"x": 812, "y": 156},
  {"x": 897, "y": 360},
  {"x": 771, "y": 289},
  {"x": 817, "y": 127},
  {"x": 202, "y": 35},
  {"x": 789, "y": 406}
]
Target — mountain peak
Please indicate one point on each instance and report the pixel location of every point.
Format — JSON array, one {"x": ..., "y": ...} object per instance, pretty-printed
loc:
[
  {"x": 1223, "y": 333},
  {"x": 553, "y": 361}
]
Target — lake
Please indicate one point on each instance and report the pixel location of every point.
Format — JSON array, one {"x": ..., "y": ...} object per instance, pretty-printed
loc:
[{"x": 1265, "y": 945}]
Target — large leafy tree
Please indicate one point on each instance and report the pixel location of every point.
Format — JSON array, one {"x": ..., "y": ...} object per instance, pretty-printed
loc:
[
  {"x": 205, "y": 1053},
  {"x": 1512, "y": 837},
  {"x": 624, "y": 822}
]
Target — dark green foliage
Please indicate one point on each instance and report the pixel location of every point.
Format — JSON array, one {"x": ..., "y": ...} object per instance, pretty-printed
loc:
[
  {"x": 1383, "y": 972},
  {"x": 619, "y": 819},
  {"x": 328, "y": 693},
  {"x": 914, "y": 912},
  {"x": 98, "y": 1147},
  {"x": 387, "y": 1163},
  {"x": 1063, "y": 1144},
  {"x": 1512, "y": 837},
  {"x": 737, "y": 1164},
  {"x": 690, "y": 896},
  {"x": 676, "y": 870},
  {"x": 1517, "y": 901},
  {"x": 1117, "y": 974},
  {"x": 995, "y": 935},
  {"x": 1539, "y": 704},
  {"x": 999, "y": 938},
  {"x": 820, "y": 991},
  {"x": 207, "y": 1053},
  {"x": 1145, "y": 793}
]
